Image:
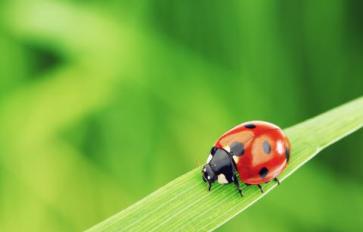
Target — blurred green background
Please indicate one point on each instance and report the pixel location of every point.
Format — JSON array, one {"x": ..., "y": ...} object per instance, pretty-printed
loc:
[{"x": 102, "y": 102}]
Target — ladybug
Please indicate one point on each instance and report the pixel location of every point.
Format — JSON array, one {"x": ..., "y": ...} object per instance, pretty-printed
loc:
[{"x": 253, "y": 152}]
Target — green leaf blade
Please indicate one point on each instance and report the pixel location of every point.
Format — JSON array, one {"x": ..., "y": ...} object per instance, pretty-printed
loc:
[{"x": 184, "y": 204}]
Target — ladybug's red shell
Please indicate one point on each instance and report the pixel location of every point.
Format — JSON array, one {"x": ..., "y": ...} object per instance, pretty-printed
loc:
[{"x": 265, "y": 152}]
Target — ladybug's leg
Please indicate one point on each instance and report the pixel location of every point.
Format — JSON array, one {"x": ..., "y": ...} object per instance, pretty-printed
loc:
[
  {"x": 209, "y": 186},
  {"x": 234, "y": 171},
  {"x": 260, "y": 187},
  {"x": 277, "y": 181},
  {"x": 236, "y": 183}
]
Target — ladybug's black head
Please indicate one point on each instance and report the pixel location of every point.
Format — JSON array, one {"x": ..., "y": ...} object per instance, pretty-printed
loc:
[
  {"x": 208, "y": 175},
  {"x": 220, "y": 166}
]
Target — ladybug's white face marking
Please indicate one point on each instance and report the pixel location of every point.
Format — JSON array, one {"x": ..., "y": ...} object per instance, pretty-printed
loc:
[
  {"x": 222, "y": 179},
  {"x": 209, "y": 158}
]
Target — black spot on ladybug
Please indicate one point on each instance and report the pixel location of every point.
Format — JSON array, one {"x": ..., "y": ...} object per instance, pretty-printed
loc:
[
  {"x": 237, "y": 148},
  {"x": 266, "y": 147},
  {"x": 263, "y": 172},
  {"x": 213, "y": 150},
  {"x": 287, "y": 154},
  {"x": 250, "y": 126}
]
